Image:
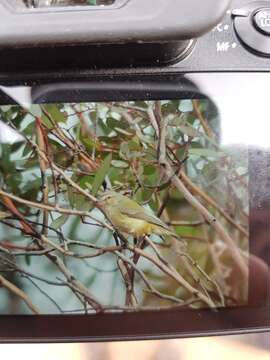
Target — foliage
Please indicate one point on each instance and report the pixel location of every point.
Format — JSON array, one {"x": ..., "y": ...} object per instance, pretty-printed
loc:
[{"x": 57, "y": 246}]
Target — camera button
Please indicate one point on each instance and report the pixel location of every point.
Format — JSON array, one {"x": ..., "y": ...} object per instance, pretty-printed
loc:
[
  {"x": 262, "y": 20},
  {"x": 252, "y": 26}
]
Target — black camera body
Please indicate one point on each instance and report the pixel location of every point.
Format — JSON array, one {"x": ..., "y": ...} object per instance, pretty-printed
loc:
[
  {"x": 146, "y": 50},
  {"x": 135, "y": 36},
  {"x": 125, "y": 33}
]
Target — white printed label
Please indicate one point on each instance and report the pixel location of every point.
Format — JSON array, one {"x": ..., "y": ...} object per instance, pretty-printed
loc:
[
  {"x": 263, "y": 18},
  {"x": 225, "y": 46}
]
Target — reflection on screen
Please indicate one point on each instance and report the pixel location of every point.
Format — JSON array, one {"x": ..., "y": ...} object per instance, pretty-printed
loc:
[
  {"x": 120, "y": 206},
  {"x": 61, "y": 3}
]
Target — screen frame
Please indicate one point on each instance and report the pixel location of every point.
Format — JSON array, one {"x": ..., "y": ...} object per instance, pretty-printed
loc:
[{"x": 146, "y": 324}]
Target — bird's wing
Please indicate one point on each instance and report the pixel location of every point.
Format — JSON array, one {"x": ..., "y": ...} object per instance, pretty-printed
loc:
[{"x": 144, "y": 215}]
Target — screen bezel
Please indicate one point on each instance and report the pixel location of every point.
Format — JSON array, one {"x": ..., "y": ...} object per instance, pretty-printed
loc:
[{"x": 147, "y": 324}]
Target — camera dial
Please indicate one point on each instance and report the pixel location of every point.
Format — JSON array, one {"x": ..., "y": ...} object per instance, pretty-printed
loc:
[{"x": 252, "y": 25}]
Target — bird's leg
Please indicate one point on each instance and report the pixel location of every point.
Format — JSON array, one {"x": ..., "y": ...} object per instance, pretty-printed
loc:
[
  {"x": 116, "y": 239},
  {"x": 117, "y": 236},
  {"x": 140, "y": 242}
]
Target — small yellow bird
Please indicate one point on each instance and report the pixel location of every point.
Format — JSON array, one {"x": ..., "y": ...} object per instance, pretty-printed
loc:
[{"x": 129, "y": 217}]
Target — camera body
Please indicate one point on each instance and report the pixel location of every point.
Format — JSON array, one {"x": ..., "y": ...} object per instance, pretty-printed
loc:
[{"x": 149, "y": 40}]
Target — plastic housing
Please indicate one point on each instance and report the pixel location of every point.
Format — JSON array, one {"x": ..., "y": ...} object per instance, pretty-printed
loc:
[{"x": 129, "y": 32}]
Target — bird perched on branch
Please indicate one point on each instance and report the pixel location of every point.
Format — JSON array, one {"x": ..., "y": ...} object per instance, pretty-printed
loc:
[{"x": 128, "y": 217}]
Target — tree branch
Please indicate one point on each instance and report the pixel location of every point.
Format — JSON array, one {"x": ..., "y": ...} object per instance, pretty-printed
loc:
[{"x": 18, "y": 292}]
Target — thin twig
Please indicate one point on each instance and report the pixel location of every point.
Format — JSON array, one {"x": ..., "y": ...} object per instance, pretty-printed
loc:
[
  {"x": 18, "y": 292},
  {"x": 56, "y": 208}
]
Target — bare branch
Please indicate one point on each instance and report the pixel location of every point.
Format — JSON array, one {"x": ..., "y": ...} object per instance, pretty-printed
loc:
[{"x": 18, "y": 292}]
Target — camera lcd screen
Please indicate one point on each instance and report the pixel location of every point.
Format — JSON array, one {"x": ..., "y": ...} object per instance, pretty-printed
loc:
[{"x": 109, "y": 207}]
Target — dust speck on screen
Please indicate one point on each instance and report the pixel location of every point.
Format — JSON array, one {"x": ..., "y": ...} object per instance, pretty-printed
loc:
[{"x": 120, "y": 207}]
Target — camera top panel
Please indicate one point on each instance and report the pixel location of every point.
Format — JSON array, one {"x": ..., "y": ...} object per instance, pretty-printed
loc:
[
  {"x": 60, "y": 38},
  {"x": 67, "y": 22}
]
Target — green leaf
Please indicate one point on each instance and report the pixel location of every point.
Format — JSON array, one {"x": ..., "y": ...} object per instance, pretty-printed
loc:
[
  {"x": 170, "y": 107},
  {"x": 29, "y": 129},
  {"x": 59, "y": 222},
  {"x": 101, "y": 174},
  {"x": 33, "y": 185},
  {"x": 91, "y": 280},
  {"x": 119, "y": 164},
  {"x": 206, "y": 153},
  {"x": 143, "y": 195},
  {"x": 27, "y": 150},
  {"x": 36, "y": 110},
  {"x": 189, "y": 130},
  {"x": 186, "y": 106},
  {"x": 28, "y": 260},
  {"x": 85, "y": 181},
  {"x": 149, "y": 170},
  {"x": 89, "y": 144},
  {"x": 55, "y": 113},
  {"x": 82, "y": 203},
  {"x": 16, "y": 146},
  {"x": 5, "y": 108},
  {"x": 113, "y": 123}
]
